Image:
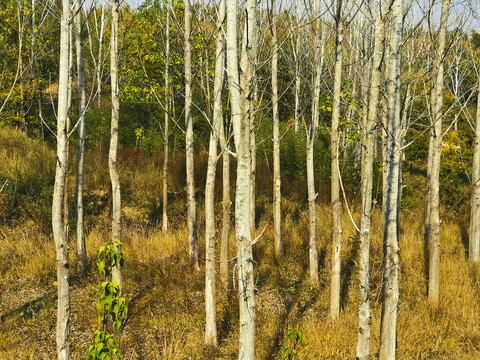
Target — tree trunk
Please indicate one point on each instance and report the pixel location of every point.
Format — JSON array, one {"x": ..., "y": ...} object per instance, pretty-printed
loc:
[
  {"x": 296, "y": 53},
  {"x": 252, "y": 44},
  {"x": 59, "y": 231},
  {"x": 226, "y": 209},
  {"x": 391, "y": 247},
  {"x": 277, "y": 196},
  {"x": 210, "y": 289},
  {"x": 474, "y": 241},
  {"x": 253, "y": 178},
  {"x": 192, "y": 208},
  {"x": 434, "y": 154},
  {"x": 98, "y": 71},
  {"x": 80, "y": 232},
  {"x": 112, "y": 154},
  {"x": 317, "y": 68},
  {"x": 364, "y": 317},
  {"x": 166, "y": 125},
  {"x": 313, "y": 251},
  {"x": 335, "y": 174},
  {"x": 239, "y": 99}
]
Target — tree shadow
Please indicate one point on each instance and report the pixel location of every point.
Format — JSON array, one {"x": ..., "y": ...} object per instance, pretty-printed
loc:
[
  {"x": 465, "y": 237},
  {"x": 426, "y": 257},
  {"x": 348, "y": 269},
  {"x": 225, "y": 325},
  {"x": 30, "y": 308}
]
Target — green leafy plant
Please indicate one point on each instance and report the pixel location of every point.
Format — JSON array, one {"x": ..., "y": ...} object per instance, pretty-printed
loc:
[
  {"x": 109, "y": 305},
  {"x": 293, "y": 342}
]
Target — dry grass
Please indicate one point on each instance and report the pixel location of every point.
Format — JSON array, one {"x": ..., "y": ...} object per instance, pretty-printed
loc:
[{"x": 166, "y": 297}]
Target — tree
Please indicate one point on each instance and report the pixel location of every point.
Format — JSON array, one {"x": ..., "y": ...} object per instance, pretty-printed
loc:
[
  {"x": 241, "y": 93},
  {"x": 58, "y": 225},
  {"x": 335, "y": 169},
  {"x": 166, "y": 124},
  {"x": 226, "y": 206},
  {"x": 432, "y": 226},
  {"x": 474, "y": 240},
  {"x": 391, "y": 247},
  {"x": 277, "y": 195},
  {"x": 216, "y": 122},
  {"x": 317, "y": 71},
  {"x": 369, "y": 133},
  {"x": 112, "y": 154},
  {"x": 80, "y": 231},
  {"x": 192, "y": 210}
]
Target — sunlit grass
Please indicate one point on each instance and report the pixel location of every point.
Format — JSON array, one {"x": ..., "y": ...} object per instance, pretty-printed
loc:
[{"x": 166, "y": 297}]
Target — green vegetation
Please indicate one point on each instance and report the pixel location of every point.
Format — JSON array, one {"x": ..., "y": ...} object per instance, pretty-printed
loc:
[{"x": 109, "y": 305}]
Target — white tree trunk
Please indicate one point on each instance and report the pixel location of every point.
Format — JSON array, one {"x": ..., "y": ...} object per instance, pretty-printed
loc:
[
  {"x": 391, "y": 270},
  {"x": 241, "y": 127},
  {"x": 317, "y": 69},
  {"x": 166, "y": 125},
  {"x": 112, "y": 154},
  {"x": 99, "y": 71},
  {"x": 58, "y": 226},
  {"x": 80, "y": 231},
  {"x": 474, "y": 241},
  {"x": 434, "y": 154},
  {"x": 364, "y": 317},
  {"x": 277, "y": 196},
  {"x": 335, "y": 174},
  {"x": 210, "y": 289},
  {"x": 192, "y": 208},
  {"x": 296, "y": 53},
  {"x": 226, "y": 209}
]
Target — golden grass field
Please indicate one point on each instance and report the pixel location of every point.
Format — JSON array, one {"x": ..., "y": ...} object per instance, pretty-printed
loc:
[{"x": 165, "y": 296}]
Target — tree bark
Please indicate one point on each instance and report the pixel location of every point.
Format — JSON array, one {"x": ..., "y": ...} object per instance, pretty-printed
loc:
[
  {"x": 226, "y": 209},
  {"x": 434, "y": 155},
  {"x": 58, "y": 225},
  {"x": 335, "y": 174},
  {"x": 391, "y": 247},
  {"x": 277, "y": 196},
  {"x": 98, "y": 71},
  {"x": 192, "y": 208},
  {"x": 239, "y": 98},
  {"x": 210, "y": 289},
  {"x": 474, "y": 241},
  {"x": 364, "y": 317},
  {"x": 317, "y": 68},
  {"x": 166, "y": 125},
  {"x": 112, "y": 154},
  {"x": 80, "y": 231}
]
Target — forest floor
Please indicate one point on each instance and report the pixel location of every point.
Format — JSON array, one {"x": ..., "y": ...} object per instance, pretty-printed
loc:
[{"x": 166, "y": 298}]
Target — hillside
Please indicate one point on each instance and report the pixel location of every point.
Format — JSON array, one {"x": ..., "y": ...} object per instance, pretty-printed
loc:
[{"x": 165, "y": 296}]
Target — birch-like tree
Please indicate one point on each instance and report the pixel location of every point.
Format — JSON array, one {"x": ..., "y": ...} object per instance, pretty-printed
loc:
[
  {"x": 191, "y": 205},
  {"x": 241, "y": 92},
  {"x": 216, "y": 124},
  {"x": 58, "y": 224},
  {"x": 335, "y": 169},
  {"x": 369, "y": 134},
  {"x": 474, "y": 240},
  {"x": 112, "y": 154},
  {"x": 432, "y": 226},
  {"x": 80, "y": 231},
  {"x": 391, "y": 247},
  {"x": 226, "y": 206},
  {"x": 167, "y": 120},
  {"x": 277, "y": 195},
  {"x": 312, "y": 213}
]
